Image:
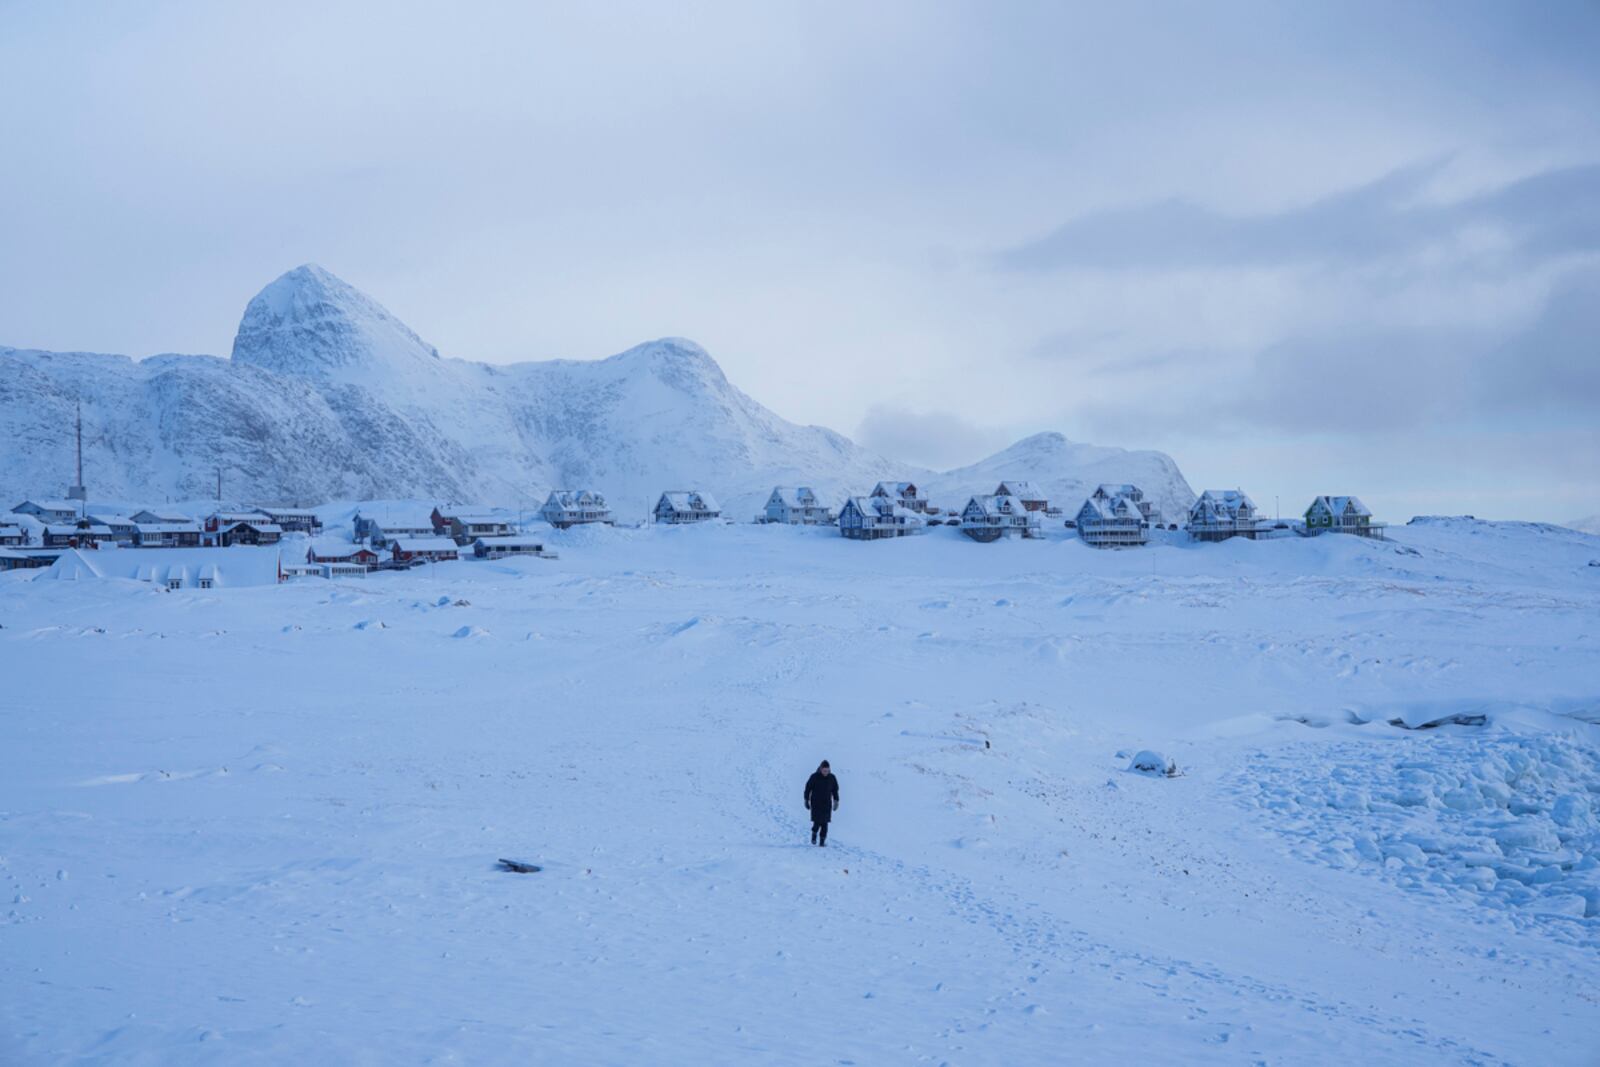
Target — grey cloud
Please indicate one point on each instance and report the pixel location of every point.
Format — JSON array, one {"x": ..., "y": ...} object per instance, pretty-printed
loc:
[
  {"x": 1547, "y": 214},
  {"x": 936, "y": 439}
]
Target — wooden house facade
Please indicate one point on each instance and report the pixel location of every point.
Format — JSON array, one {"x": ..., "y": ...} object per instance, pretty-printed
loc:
[
  {"x": 566, "y": 508},
  {"x": 869, "y": 518},
  {"x": 679, "y": 506},
  {"x": 1113, "y": 517},
  {"x": 430, "y": 549},
  {"x": 797, "y": 506},
  {"x": 905, "y": 495},
  {"x": 167, "y": 535},
  {"x": 1341, "y": 514},
  {"x": 1223, "y": 513},
  {"x": 993, "y": 516}
]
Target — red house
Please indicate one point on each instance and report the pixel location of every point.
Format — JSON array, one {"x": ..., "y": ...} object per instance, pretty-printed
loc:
[{"x": 342, "y": 554}]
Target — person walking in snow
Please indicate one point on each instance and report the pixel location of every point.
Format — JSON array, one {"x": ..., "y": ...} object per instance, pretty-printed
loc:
[{"x": 822, "y": 800}]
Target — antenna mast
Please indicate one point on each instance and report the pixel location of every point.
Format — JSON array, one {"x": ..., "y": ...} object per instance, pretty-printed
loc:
[{"x": 77, "y": 491}]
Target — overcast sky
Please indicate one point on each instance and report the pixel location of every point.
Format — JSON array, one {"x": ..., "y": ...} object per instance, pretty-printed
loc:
[{"x": 1302, "y": 248}]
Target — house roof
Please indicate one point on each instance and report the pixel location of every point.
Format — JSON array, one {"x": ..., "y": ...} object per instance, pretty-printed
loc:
[
  {"x": 255, "y": 524},
  {"x": 897, "y": 489},
  {"x": 795, "y": 496},
  {"x": 1021, "y": 490},
  {"x": 425, "y": 544},
  {"x": 238, "y": 566},
  {"x": 1120, "y": 507},
  {"x": 93, "y": 529},
  {"x": 876, "y": 507},
  {"x": 572, "y": 499},
  {"x": 299, "y": 513},
  {"x": 479, "y": 519},
  {"x": 162, "y": 516},
  {"x": 107, "y": 518},
  {"x": 990, "y": 504},
  {"x": 1338, "y": 504},
  {"x": 48, "y": 505},
  {"x": 689, "y": 500}
]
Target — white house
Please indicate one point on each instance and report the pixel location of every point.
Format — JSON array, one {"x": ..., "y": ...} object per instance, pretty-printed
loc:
[
  {"x": 12, "y": 536},
  {"x": 566, "y": 508},
  {"x": 1222, "y": 513},
  {"x": 993, "y": 516},
  {"x": 905, "y": 494},
  {"x": 686, "y": 505},
  {"x": 1113, "y": 516},
  {"x": 122, "y": 527},
  {"x": 867, "y": 518},
  {"x": 387, "y": 526},
  {"x": 1341, "y": 514},
  {"x": 171, "y": 568},
  {"x": 797, "y": 506},
  {"x": 48, "y": 511}
]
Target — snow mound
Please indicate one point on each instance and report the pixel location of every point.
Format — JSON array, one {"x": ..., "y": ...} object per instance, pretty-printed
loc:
[
  {"x": 471, "y": 631},
  {"x": 1153, "y": 764}
]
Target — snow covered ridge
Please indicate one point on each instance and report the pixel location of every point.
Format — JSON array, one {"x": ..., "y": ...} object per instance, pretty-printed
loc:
[{"x": 330, "y": 396}]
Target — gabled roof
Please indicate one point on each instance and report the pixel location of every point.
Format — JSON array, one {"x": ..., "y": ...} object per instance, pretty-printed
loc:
[
  {"x": 299, "y": 513},
  {"x": 161, "y": 516},
  {"x": 990, "y": 505},
  {"x": 480, "y": 519},
  {"x": 897, "y": 489},
  {"x": 1220, "y": 502},
  {"x": 108, "y": 518},
  {"x": 575, "y": 499},
  {"x": 1338, "y": 504},
  {"x": 255, "y": 524},
  {"x": 48, "y": 505},
  {"x": 795, "y": 496},
  {"x": 688, "y": 500},
  {"x": 514, "y": 541},
  {"x": 92, "y": 530},
  {"x": 1021, "y": 490},
  {"x": 880, "y": 507},
  {"x": 238, "y": 566},
  {"x": 425, "y": 544},
  {"x": 1111, "y": 503}
]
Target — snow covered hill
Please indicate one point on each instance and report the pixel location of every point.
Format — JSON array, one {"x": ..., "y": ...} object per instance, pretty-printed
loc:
[
  {"x": 1067, "y": 472},
  {"x": 1590, "y": 525},
  {"x": 330, "y": 396}
]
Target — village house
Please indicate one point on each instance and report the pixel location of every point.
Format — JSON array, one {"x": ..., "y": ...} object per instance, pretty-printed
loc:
[
  {"x": 170, "y": 568},
  {"x": 293, "y": 520},
  {"x": 431, "y": 549},
  {"x": 905, "y": 495},
  {"x": 1113, "y": 516},
  {"x": 122, "y": 527},
  {"x": 16, "y": 559},
  {"x": 167, "y": 535},
  {"x": 501, "y": 547},
  {"x": 467, "y": 527},
  {"x": 868, "y": 518},
  {"x": 12, "y": 536},
  {"x": 991, "y": 517},
  {"x": 688, "y": 505},
  {"x": 796, "y": 506},
  {"x": 329, "y": 551},
  {"x": 567, "y": 508},
  {"x": 1147, "y": 508},
  {"x": 1024, "y": 492},
  {"x": 160, "y": 518},
  {"x": 79, "y": 535},
  {"x": 48, "y": 511},
  {"x": 240, "y": 532},
  {"x": 384, "y": 527},
  {"x": 1341, "y": 514},
  {"x": 1222, "y": 513}
]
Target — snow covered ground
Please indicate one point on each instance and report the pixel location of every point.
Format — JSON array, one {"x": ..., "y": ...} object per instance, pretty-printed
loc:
[{"x": 260, "y": 825}]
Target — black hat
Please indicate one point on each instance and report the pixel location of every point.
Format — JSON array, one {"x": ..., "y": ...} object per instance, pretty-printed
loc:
[{"x": 824, "y": 763}]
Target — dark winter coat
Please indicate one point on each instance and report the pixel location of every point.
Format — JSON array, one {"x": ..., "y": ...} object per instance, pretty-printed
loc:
[{"x": 822, "y": 793}]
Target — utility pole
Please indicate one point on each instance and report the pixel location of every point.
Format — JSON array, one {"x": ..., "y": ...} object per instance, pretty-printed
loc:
[{"x": 219, "y": 486}]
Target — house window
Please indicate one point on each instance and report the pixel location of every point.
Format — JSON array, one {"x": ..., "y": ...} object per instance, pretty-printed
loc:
[
  {"x": 174, "y": 583},
  {"x": 205, "y": 583}
]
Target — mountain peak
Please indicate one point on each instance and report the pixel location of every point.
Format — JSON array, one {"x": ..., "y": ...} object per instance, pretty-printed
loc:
[{"x": 311, "y": 323}]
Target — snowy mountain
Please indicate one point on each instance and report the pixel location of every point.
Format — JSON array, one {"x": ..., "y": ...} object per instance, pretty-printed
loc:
[
  {"x": 1589, "y": 525},
  {"x": 1067, "y": 472},
  {"x": 328, "y": 395}
]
